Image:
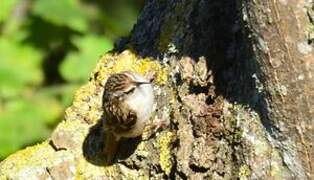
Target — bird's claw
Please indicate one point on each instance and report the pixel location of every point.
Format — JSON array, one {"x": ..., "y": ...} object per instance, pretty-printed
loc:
[{"x": 153, "y": 128}]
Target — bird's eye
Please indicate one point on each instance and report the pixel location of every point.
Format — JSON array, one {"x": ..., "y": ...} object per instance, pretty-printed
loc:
[{"x": 130, "y": 90}]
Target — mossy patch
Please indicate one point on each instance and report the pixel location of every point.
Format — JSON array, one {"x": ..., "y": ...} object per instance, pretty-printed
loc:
[
  {"x": 164, "y": 145},
  {"x": 128, "y": 61},
  {"x": 173, "y": 28},
  {"x": 86, "y": 170},
  {"x": 244, "y": 172},
  {"x": 32, "y": 161},
  {"x": 30, "y": 156}
]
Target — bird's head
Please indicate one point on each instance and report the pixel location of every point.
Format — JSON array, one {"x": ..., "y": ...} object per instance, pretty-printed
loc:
[{"x": 122, "y": 85}]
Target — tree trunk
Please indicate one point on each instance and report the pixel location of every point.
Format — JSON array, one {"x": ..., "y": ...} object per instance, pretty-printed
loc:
[
  {"x": 284, "y": 53},
  {"x": 234, "y": 86}
]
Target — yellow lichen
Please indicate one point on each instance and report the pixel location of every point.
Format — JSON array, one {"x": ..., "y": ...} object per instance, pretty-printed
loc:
[
  {"x": 163, "y": 143},
  {"x": 244, "y": 172},
  {"x": 141, "y": 149},
  {"x": 131, "y": 174},
  {"x": 30, "y": 156},
  {"x": 127, "y": 60},
  {"x": 277, "y": 170},
  {"x": 86, "y": 170}
]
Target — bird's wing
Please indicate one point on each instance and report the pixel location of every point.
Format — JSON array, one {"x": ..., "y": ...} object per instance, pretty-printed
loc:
[{"x": 119, "y": 117}]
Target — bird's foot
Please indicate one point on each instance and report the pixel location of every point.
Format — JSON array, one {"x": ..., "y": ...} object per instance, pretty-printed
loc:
[{"x": 153, "y": 128}]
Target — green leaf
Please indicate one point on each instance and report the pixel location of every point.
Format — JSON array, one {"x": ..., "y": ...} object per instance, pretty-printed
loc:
[
  {"x": 78, "y": 65},
  {"x": 64, "y": 92},
  {"x": 19, "y": 67},
  {"x": 119, "y": 19},
  {"x": 21, "y": 124},
  {"x": 48, "y": 108},
  {"x": 6, "y": 9},
  {"x": 64, "y": 13}
]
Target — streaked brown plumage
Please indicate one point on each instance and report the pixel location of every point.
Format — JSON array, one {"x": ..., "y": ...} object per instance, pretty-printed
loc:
[
  {"x": 127, "y": 103},
  {"x": 118, "y": 113}
]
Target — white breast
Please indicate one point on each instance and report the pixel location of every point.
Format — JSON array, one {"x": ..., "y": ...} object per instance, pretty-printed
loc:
[{"x": 141, "y": 101}]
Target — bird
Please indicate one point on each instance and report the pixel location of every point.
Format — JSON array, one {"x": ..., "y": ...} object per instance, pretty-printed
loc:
[{"x": 128, "y": 100}]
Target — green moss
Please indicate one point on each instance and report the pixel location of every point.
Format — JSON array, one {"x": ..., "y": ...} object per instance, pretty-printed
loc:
[
  {"x": 164, "y": 142},
  {"x": 174, "y": 27},
  {"x": 166, "y": 34},
  {"x": 171, "y": 28},
  {"x": 233, "y": 115}
]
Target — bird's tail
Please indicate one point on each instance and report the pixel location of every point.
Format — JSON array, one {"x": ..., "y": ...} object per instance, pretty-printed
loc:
[{"x": 111, "y": 146}]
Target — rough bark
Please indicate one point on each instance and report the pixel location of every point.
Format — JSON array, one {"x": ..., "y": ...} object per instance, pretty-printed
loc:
[
  {"x": 285, "y": 59},
  {"x": 234, "y": 85}
]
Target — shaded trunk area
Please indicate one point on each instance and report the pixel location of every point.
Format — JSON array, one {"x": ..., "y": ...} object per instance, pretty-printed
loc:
[{"x": 253, "y": 58}]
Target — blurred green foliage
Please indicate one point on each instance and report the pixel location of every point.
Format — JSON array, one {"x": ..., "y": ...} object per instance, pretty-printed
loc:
[{"x": 47, "y": 50}]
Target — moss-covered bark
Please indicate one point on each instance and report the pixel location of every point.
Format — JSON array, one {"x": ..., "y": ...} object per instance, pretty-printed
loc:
[{"x": 229, "y": 112}]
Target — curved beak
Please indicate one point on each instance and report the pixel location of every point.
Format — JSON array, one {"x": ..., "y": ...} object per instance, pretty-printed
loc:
[{"x": 142, "y": 82}]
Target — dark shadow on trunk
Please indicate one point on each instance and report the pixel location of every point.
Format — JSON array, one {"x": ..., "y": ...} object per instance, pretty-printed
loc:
[
  {"x": 94, "y": 145},
  {"x": 214, "y": 30}
]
